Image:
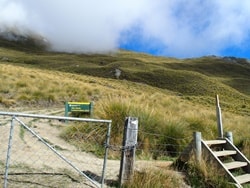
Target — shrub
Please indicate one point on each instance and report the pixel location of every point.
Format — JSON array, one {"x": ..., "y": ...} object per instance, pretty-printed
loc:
[
  {"x": 117, "y": 112},
  {"x": 173, "y": 138}
]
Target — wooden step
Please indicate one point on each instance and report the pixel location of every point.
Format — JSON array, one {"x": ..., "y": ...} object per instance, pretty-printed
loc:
[
  {"x": 215, "y": 142},
  {"x": 224, "y": 153},
  {"x": 243, "y": 178},
  {"x": 235, "y": 164}
]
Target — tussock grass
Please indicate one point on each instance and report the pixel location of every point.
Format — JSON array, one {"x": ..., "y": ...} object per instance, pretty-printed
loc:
[
  {"x": 203, "y": 175},
  {"x": 159, "y": 111},
  {"x": 171, "y": 97},
  {"x": 33, "y": 86},
  {"x": 154, "y": 178}
]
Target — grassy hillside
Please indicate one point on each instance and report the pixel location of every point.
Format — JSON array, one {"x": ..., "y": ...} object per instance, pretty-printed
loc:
[
  {"x": 198, "y": 80},
  {"x": 171, "y": 97},
  {"x": 31, "y": 75}
]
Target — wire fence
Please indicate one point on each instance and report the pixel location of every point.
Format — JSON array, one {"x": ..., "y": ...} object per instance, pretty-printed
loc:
[
  {"x": 162, "y": 151},
  {"x": 161, "y": 146},
  {"x": 35, "y": 154}
]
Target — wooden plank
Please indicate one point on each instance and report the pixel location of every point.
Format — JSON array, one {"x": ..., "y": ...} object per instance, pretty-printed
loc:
[
  {"x": 243, "y": 178},
  {"x": 215, "y": 142},
  {"x": 235, "y": 164},
  {"x": 224, "y": 153}
]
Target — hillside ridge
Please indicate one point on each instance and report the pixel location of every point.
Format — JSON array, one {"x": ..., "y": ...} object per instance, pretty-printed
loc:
[{"x": 197, "y": 79}]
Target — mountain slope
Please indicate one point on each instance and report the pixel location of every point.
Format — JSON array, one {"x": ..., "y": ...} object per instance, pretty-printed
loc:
[{"x": 198, "y": 80}]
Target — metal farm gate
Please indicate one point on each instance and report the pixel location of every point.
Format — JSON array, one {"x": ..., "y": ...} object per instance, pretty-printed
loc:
[{"x": 33, "y": 152}]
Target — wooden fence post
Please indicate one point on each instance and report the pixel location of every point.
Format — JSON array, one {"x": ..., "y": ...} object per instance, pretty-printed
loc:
[
  {"x": 128, "y": 150},
  {"x": 219, "y": 118},
  {"x": 229, "y": 136},
  {"x": 197, "y": 145}
]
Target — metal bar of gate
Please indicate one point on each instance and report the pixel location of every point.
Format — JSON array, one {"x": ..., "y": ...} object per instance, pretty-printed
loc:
[
  {"x": 54, "y": 117},
  {"x": 8, "y": 153},
  {"x": 106, "y": 154}
]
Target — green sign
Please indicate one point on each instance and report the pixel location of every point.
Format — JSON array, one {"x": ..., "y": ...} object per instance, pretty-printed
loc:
[{"x": 85, "y": 107}]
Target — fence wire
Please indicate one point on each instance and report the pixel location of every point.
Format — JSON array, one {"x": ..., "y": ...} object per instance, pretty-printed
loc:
[
  {"x": 151, "y": 148},
  {"x": 41, "y": 156}
]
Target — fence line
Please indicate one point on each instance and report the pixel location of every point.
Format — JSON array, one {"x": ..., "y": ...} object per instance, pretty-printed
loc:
[
  {"x": 166, "y": 149},
  {"x": 139, "y": 144},
  {"x": 157, "y": 134}
]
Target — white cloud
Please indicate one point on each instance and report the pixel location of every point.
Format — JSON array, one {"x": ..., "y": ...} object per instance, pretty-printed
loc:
[
  {"x": 11, "y": 14},
  {"x": 186, "y": 28}
]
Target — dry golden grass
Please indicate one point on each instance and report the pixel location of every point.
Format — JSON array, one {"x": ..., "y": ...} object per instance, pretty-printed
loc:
[
  {"x": 21, "y": 86},
  {"x": 206, "y": 174},
  {"x": 160, "y": 178}
]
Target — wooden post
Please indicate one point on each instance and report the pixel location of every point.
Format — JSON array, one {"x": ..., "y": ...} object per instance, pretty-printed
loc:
[
  {"x": 219, "y": 118},
  {"x": 197, "y": 145},
  {"x": 229, "y": 136},
  {"x": 91, "y": 110},
  {"x": 66, "y": 112},
  {"x": 128, "y": 150}
]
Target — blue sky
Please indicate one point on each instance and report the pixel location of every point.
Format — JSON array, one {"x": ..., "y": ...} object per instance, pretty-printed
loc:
[
  {"x": 138, "y": 44},
  {"x": 172, "y": 28}
]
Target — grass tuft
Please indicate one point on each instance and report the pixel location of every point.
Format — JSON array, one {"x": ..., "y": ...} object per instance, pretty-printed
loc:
[{"x": 154, "y": 178}]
